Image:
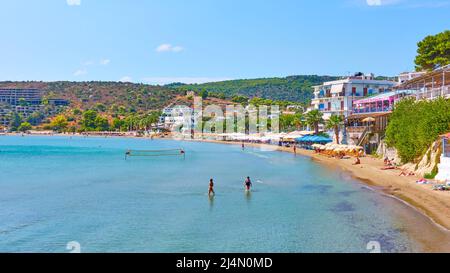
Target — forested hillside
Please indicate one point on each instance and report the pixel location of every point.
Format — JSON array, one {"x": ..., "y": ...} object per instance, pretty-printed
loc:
[{"x": 293, "y": 88}]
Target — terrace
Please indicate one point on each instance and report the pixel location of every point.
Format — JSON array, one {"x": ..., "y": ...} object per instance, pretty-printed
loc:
[
  {"x": 431, "y": 85},
  {"x": 382, "y": 103}
]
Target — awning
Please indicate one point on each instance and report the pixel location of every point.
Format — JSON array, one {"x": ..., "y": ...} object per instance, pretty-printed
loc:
[{"x": 314, "y": 139}]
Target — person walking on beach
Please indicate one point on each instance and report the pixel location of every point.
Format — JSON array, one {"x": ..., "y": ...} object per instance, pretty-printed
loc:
[
  {"x": 211, "y": 187},
  {"x": 248, "y": 184},
  {"x": 295, "y": 149}
]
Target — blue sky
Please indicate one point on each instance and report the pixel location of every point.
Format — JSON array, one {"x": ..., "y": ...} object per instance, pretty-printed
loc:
[{"x": 161, "y": 41}]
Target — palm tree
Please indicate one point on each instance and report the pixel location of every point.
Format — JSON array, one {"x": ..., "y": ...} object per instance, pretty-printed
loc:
[
  {"x": 313, "y": 119},
  {"x": 334, "y": 123},
  {"x": 298, "y": 120}
]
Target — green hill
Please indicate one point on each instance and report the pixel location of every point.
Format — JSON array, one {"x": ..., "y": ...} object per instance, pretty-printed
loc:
[
  {"x": 112, "y": 95},
  {"x": 293, "y": 88}
]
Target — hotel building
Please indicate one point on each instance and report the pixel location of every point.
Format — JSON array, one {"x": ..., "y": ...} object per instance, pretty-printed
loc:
[{"x": 336, "y": 97}]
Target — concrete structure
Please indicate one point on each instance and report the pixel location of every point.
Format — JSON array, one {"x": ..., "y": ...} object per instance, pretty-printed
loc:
[
  {"x": 336, "y": 97},
  {"x": 429, "y": 86},
  {"x": 407, "y": 76},
  {"x": 25, "y": 102},
  {"x": 18, "y": 96},
  {"x": 444, "y": 165}
]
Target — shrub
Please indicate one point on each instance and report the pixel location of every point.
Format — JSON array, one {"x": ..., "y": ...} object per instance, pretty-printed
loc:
[{"x": 414, "y": 126}]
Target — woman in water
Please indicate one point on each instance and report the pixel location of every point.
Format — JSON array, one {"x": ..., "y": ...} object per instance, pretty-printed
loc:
[
  {"x": 211, "y": 187},
  {"x": 248, "y": 184}
]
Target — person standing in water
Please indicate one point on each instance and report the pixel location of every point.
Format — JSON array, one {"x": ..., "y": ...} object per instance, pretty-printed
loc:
[
  {"x": 243, "y": 146},
  {"x": 211, "y": 187},
  {"x": 248, "y": 184},
  {"x": 295, "y": 149}
]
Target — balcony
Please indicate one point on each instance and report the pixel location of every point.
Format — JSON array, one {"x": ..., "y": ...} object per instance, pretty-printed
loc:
[{"x": 368, "y": 110}]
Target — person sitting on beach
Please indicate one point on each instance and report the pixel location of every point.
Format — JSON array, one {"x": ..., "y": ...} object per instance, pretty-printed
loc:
[
  {"x": 358, "y": 161},
  {"x": 211, "y": 187},
  {"x": 248, "y": 184}
]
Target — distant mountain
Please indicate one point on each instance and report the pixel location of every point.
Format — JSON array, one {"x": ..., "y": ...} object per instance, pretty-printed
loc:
[{"x": 293, "y": 88}]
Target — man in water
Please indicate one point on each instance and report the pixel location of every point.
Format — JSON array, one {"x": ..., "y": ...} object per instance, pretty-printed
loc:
[
  {"x": 248, "y": 184},
  {"x": 211, "y": 187}
]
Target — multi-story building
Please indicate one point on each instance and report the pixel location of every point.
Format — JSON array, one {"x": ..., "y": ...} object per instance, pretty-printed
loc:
[
  {"x": 336, "y": 97},
  {"x": 19, "y": 96},
  {"x": 25, "y": 102}
]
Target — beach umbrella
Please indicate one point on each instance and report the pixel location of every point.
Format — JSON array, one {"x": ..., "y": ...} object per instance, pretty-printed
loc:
[{"x": 369, "y": 119}]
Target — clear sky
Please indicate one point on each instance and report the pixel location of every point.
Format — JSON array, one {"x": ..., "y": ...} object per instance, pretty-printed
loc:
[{"x": 160, "y": 41}]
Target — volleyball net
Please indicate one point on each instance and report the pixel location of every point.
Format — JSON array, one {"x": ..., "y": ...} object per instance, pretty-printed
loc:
[{"x": 155, "y": 153}]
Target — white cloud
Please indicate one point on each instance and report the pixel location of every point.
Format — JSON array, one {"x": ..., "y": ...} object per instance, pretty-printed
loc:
[
  {"x": 126, "y": 79},
  {"x": 80, "y": 72},
  {"x": 105, "y": 61},
  {"x": 381, "y": 2},
  {"x": 169, "y": 48},
  {"x": 409, "y": 3},
  {"x": 88, "y": 63},
  {"x": 187, "y": 80},
  {"x": 74, "y": 2}
]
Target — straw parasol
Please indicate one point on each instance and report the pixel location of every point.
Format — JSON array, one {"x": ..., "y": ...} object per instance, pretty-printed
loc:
[{"x": 369, "y": 119}]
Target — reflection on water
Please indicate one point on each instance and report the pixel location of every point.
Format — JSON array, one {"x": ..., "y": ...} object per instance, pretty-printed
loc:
[{"x": 248, "y": 196}]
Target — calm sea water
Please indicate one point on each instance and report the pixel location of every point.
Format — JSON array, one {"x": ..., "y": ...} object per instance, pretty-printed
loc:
[{"x": 54, "y": 190}]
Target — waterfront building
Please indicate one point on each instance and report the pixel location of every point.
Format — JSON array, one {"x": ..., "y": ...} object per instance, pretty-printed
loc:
[
  {"x": 430, "y": 85},
  {"x": 407, "y": 76},
  {"x": 336, "y": 97}
]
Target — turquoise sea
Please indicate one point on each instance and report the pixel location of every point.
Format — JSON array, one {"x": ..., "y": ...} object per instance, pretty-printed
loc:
[{"x": 55, "y": 190}]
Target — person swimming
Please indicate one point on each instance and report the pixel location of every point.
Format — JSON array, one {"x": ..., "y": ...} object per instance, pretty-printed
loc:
[
  {"x": 248, "y": 184},
  {"x": 211, "y": 187}
]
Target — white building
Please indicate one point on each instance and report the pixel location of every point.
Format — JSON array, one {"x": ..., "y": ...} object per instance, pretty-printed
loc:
[
  {"x": 407, "y": 76},
  {"x": 336, "y": 97}
]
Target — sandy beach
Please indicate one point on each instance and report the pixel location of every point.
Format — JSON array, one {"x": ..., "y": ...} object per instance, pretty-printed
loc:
[{"x": 434, "y": 204}]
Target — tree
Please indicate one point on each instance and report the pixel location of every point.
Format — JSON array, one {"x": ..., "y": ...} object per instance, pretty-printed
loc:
[
  {"x": 415, "y": 125},
  {"x": 88, "y": 123},
  {"x": 204, "y": 94},
  {"x": 101, "y": 123},
  {"x": 35, "y": 118},
  {"x": 298, "y": 120},
  {"x": 100, "y": 107},
  {"x": 15, "y": 120},
  {"x": 117, "y": 124},
  {"x": 334, "y": 123},
  {"x": 59, "y": 123},
  {"x": 313, "y": 119},
  {"x": 77, "y": 112},
  {"x": 286, "y": 122},
  {"x": 24, "y": 126},
  {"x": 433, "y": 51}
]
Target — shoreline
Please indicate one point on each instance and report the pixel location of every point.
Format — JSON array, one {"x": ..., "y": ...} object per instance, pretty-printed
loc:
[{"x": 434, "y": 205}]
